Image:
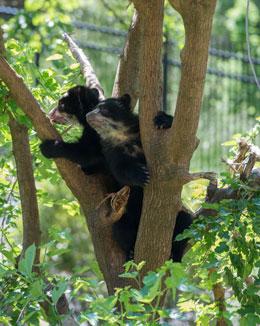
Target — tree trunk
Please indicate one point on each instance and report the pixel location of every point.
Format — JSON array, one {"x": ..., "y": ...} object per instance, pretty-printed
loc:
[
  {"x": 169, "y": 152},
  {"x": 27, "y": 189}
]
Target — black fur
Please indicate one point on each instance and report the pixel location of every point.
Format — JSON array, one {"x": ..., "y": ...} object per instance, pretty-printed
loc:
[
  {"x": 86, "y": 152},
  {"x": 163, "y": 120},
  {"x": 118, "y": 129}
]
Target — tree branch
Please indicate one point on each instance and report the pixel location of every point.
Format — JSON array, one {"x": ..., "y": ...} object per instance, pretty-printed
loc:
[
  {"x": 2, "y": 46},
  {"x": 153, "y": 242},
  {"x": 243, "y": 163},
  {"x": 197, "y": 17},
  {"x": 27, "y": 189},
  {"x": 128, "y": 70},
  {"x": 71, "y": 172},
  {"x": 26, "y": 101},
  {"x": 174, "y": 147},
  {"x": 85, "y": 65},
  {"x": 219, "y": 298},
  {"x": 28, "y": 197}
]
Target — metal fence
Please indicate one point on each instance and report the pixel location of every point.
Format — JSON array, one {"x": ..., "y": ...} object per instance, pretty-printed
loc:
[{"x": 231, "y": 98}]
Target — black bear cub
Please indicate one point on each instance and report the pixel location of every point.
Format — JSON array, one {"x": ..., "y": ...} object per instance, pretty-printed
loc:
[
  {"x": 86, "y": 152},
  {"x": 119, "y": 131}
]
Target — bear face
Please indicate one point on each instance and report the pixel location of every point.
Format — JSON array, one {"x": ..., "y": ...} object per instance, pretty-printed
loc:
[
  {"x": 86, "y": 151},
  {"x": 118, "y": 129},
  {"x": 74, "y": 105},
  {"x": 113, "y": 120}
]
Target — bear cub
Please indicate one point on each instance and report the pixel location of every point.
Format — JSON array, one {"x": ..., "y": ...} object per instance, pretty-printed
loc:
[
  {"x": 119, "y": 132},
  {"x": 86, "y": 152},
  {"x": 118, "y": 129}
]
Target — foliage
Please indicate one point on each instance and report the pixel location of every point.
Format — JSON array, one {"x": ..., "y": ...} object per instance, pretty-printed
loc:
[
  {"x": 230, "y": 24},
  {"x": 47, "y": 20},
  {"x": 22, "y": 290}
]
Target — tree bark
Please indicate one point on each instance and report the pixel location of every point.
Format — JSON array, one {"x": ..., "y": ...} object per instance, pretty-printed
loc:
[
  {"x": 128, "y": 70},
  {"x": 169, "y": 150},
  {"x": 27, "y": 189}
]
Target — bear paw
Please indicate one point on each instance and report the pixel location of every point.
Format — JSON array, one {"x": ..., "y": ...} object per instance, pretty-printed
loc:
[
  {"x": 49, "y": 148},
  {"x": 142, "y": 176},
  {"x": 163, "y": 120}
]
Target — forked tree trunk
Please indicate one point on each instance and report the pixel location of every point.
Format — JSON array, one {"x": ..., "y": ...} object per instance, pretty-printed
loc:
[{"x": 168, "y": 152}]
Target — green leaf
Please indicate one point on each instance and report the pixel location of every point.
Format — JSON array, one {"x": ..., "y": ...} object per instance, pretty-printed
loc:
[
  {"x": 58, "y": 291},
  {"x": 37, "y": 289},
  {"x": 25, "y": 264},
  {"x": 129, "y": 275},
  {"x": 2, "y": 271},
  {"x": 222, "y": 247},
  {"x": 54, "y": 57}
]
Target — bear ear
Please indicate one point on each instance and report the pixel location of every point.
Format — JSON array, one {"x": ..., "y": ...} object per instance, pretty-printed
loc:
[
  {"x": 126, "y": 100},
  {"x": 95, "y": 92}
]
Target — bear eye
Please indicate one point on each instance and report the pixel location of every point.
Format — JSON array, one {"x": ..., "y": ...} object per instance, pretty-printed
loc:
[
  {"x": 105, "y": 111},
  {"x": 61, "y": 107}
]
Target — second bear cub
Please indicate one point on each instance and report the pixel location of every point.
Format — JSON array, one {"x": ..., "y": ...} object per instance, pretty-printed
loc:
[{"x": 118, "y": 129}]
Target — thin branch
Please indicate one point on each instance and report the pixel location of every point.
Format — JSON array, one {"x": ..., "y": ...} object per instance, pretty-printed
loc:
[
  {"x": 201, "y": 175},
  {"x": 25, "y": 177},
  {"x": 249, "y": 165},
  {"x": 2, "y": 46},
  {"x": 27, "y": 189},
  {"x": 85, "y": 65},
  {"x": 197, "y": 18},
  {"x": 219, "y": 298},
  {"x": 172, "y": 171},
  {"x": 128, "y": 70}
]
